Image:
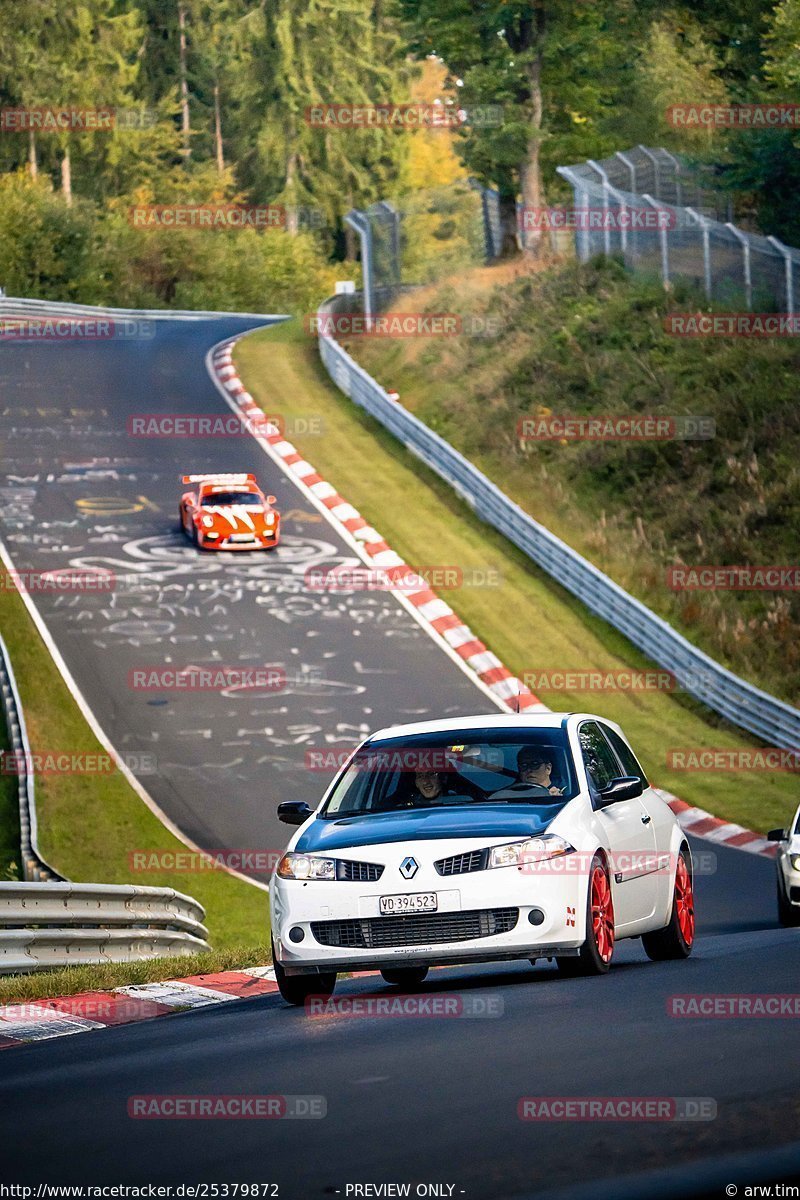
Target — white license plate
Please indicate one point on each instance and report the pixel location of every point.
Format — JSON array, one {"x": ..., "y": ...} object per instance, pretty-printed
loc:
[
  {"x": 242, "y": 537},
  {"x": 413, "y": 903}
]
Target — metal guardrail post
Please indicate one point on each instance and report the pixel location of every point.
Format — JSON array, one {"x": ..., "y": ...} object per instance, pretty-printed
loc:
[
  {"x": 662, "y": 237},
  {"x": 703, "y": 222},
  {"x": 606, "y": 185},
  {"x": 623, "y": 158},
  {"x": 744, "y": 241},
  {"x": 582, "y": 244},
  {"x": 656, "y": 178},
  {"x": 360, "y": 223},
  {"x": 788, "y": 269}
]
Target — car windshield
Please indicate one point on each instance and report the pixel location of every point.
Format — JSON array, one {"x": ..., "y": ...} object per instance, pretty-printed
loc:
[
  {"x": 246, "y": 499},
  {"x": 439, "y": 770}
]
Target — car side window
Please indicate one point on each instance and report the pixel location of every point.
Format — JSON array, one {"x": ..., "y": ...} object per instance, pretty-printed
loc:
[
  {"x": 625, "y": 755},
  {"x": 601, "y": 765}
]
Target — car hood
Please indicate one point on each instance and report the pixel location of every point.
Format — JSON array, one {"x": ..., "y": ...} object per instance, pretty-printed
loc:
[
  {"x": 234, "y": 518},
  {"x": 793, "y": 845},
  {"x": 472, "y": 821}
]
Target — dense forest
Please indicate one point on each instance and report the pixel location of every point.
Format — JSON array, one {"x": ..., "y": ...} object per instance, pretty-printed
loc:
[{"x": 210, "y": 102}]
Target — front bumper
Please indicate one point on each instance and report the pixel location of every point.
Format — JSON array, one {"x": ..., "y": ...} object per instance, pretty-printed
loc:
[
  {"x": 555, "y": 902},
  {"x": 257, "y": 543},
  {"x": 790, "y": 878}
]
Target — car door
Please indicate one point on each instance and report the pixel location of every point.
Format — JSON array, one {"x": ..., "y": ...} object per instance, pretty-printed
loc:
[{"x": 628, "y": 831}]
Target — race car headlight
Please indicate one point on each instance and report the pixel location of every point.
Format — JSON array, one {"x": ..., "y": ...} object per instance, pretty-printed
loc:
[
  {"x": 514, "y": 854},
  {"x": 208, "y": 522},
  {"x": 269, "y": 519},
  {"x": 305, "y": 866},
  {"x": 212, "y": 536},
  {"x": 794, "y": 859}
]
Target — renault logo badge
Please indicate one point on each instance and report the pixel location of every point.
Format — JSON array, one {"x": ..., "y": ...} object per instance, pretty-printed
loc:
[{"x": 409, "y": 867}]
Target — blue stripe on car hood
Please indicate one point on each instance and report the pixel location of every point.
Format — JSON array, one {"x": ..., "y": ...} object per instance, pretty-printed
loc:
[{"x": 473, "y": 821}]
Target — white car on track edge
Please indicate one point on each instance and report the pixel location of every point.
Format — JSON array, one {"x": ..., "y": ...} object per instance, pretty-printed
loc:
[
  {"x": 480, "y": 839},
  {"x": 787, "y": 863}
]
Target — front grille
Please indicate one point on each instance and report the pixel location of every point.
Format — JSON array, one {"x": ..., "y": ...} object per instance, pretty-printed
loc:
[
  {"x": 358, "y": 872},
  {"x": 378, "y": 933},
  {"x": 461, "y": 864}
]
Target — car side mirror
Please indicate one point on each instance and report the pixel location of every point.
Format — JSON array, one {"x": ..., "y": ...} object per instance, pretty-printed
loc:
[
  {"x": 293, "y": 812},
  {"x": 776, "y": 835},
  {"x": 626, "y": 787},
  {"x": 270, "y": 499}
]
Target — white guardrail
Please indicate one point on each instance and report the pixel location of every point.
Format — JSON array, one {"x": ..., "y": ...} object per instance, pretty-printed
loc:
[
  {"x": 48, "y": 922},
  {"x": 770, "y": 719},
  {"x": 46, "y": 925}
]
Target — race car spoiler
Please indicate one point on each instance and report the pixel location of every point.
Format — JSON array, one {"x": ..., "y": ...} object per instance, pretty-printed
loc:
[{"x": 213, "y": 478}]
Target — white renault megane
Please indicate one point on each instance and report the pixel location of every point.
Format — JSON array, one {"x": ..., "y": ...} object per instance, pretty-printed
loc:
[{"x": 480, "y": 839}]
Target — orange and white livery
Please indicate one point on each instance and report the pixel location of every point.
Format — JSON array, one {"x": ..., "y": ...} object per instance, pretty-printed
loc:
[{"x": 228, "y": 512}]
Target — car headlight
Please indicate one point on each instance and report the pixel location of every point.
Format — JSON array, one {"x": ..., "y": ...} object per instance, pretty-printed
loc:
[
  {"x": 305, "y": 866},
  {"x": 794, "y": 859},
  {"x": 208, "y": 522},
  {"x": 514, "y": 854},
  {"x": 269, "y": 519}
]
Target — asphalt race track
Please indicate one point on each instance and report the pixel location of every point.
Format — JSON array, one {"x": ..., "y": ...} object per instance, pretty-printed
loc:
[
  {"x": 79, "y": 491},
  {"x": 434, "y": 1100},
  {"x": 409, "y": 1100}
]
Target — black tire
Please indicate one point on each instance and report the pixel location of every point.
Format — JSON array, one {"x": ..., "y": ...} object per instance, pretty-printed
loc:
[
  {"x": 590, "y": 960},
  {"x": 788, "y": 913},
  {"x": 676, "y": 939},
  {"x": 296, "y": 989},
  {"x": 405, "y": 977}
]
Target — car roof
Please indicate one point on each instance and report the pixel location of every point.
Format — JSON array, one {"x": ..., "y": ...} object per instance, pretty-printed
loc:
[{"x": 524, "y": 721}]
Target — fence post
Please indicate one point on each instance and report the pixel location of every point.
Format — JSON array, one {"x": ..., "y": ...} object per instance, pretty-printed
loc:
[
  {"x": 630, "y": 165},
  {"x": 662, "y": 237},
  {"x": 649, "y": 154},
  {"x": 788, "y": 268},
  {"x": 744, "y": 242},
  {"x": 678, "y": 198},
  {"x": 360, "y": 223},
  {"x": 582, "y": 245},
  {"x": 606, "y": 231},
  {"x": 704, "y": 225},
  {"x": 392, "y": 217}
]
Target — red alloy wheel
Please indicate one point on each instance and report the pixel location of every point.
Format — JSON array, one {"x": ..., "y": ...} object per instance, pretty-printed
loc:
[
  {"x": 603, "y": 914},
  {"x": 684, "y": 901}
]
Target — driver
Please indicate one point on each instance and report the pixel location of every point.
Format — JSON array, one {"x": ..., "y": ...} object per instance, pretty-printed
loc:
[{"x": 535, "y": 768}]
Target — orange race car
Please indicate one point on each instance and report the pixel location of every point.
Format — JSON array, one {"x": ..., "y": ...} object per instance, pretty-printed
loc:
[{"x": 229, "y": 512}]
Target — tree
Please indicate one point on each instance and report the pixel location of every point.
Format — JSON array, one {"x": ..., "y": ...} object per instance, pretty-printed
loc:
[{"x": 545, "y": 63}]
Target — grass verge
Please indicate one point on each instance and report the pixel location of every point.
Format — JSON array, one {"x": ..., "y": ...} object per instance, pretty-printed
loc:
[
  {"x": 101, "y": 977},
  {"x": 90, "y": 824},
  {"x": 528, "y": 621}
]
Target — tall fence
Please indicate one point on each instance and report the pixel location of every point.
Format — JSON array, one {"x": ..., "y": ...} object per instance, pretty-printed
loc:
[
  {"x": 666, "y": 218},
  {"x": 777, "y": 723}
]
